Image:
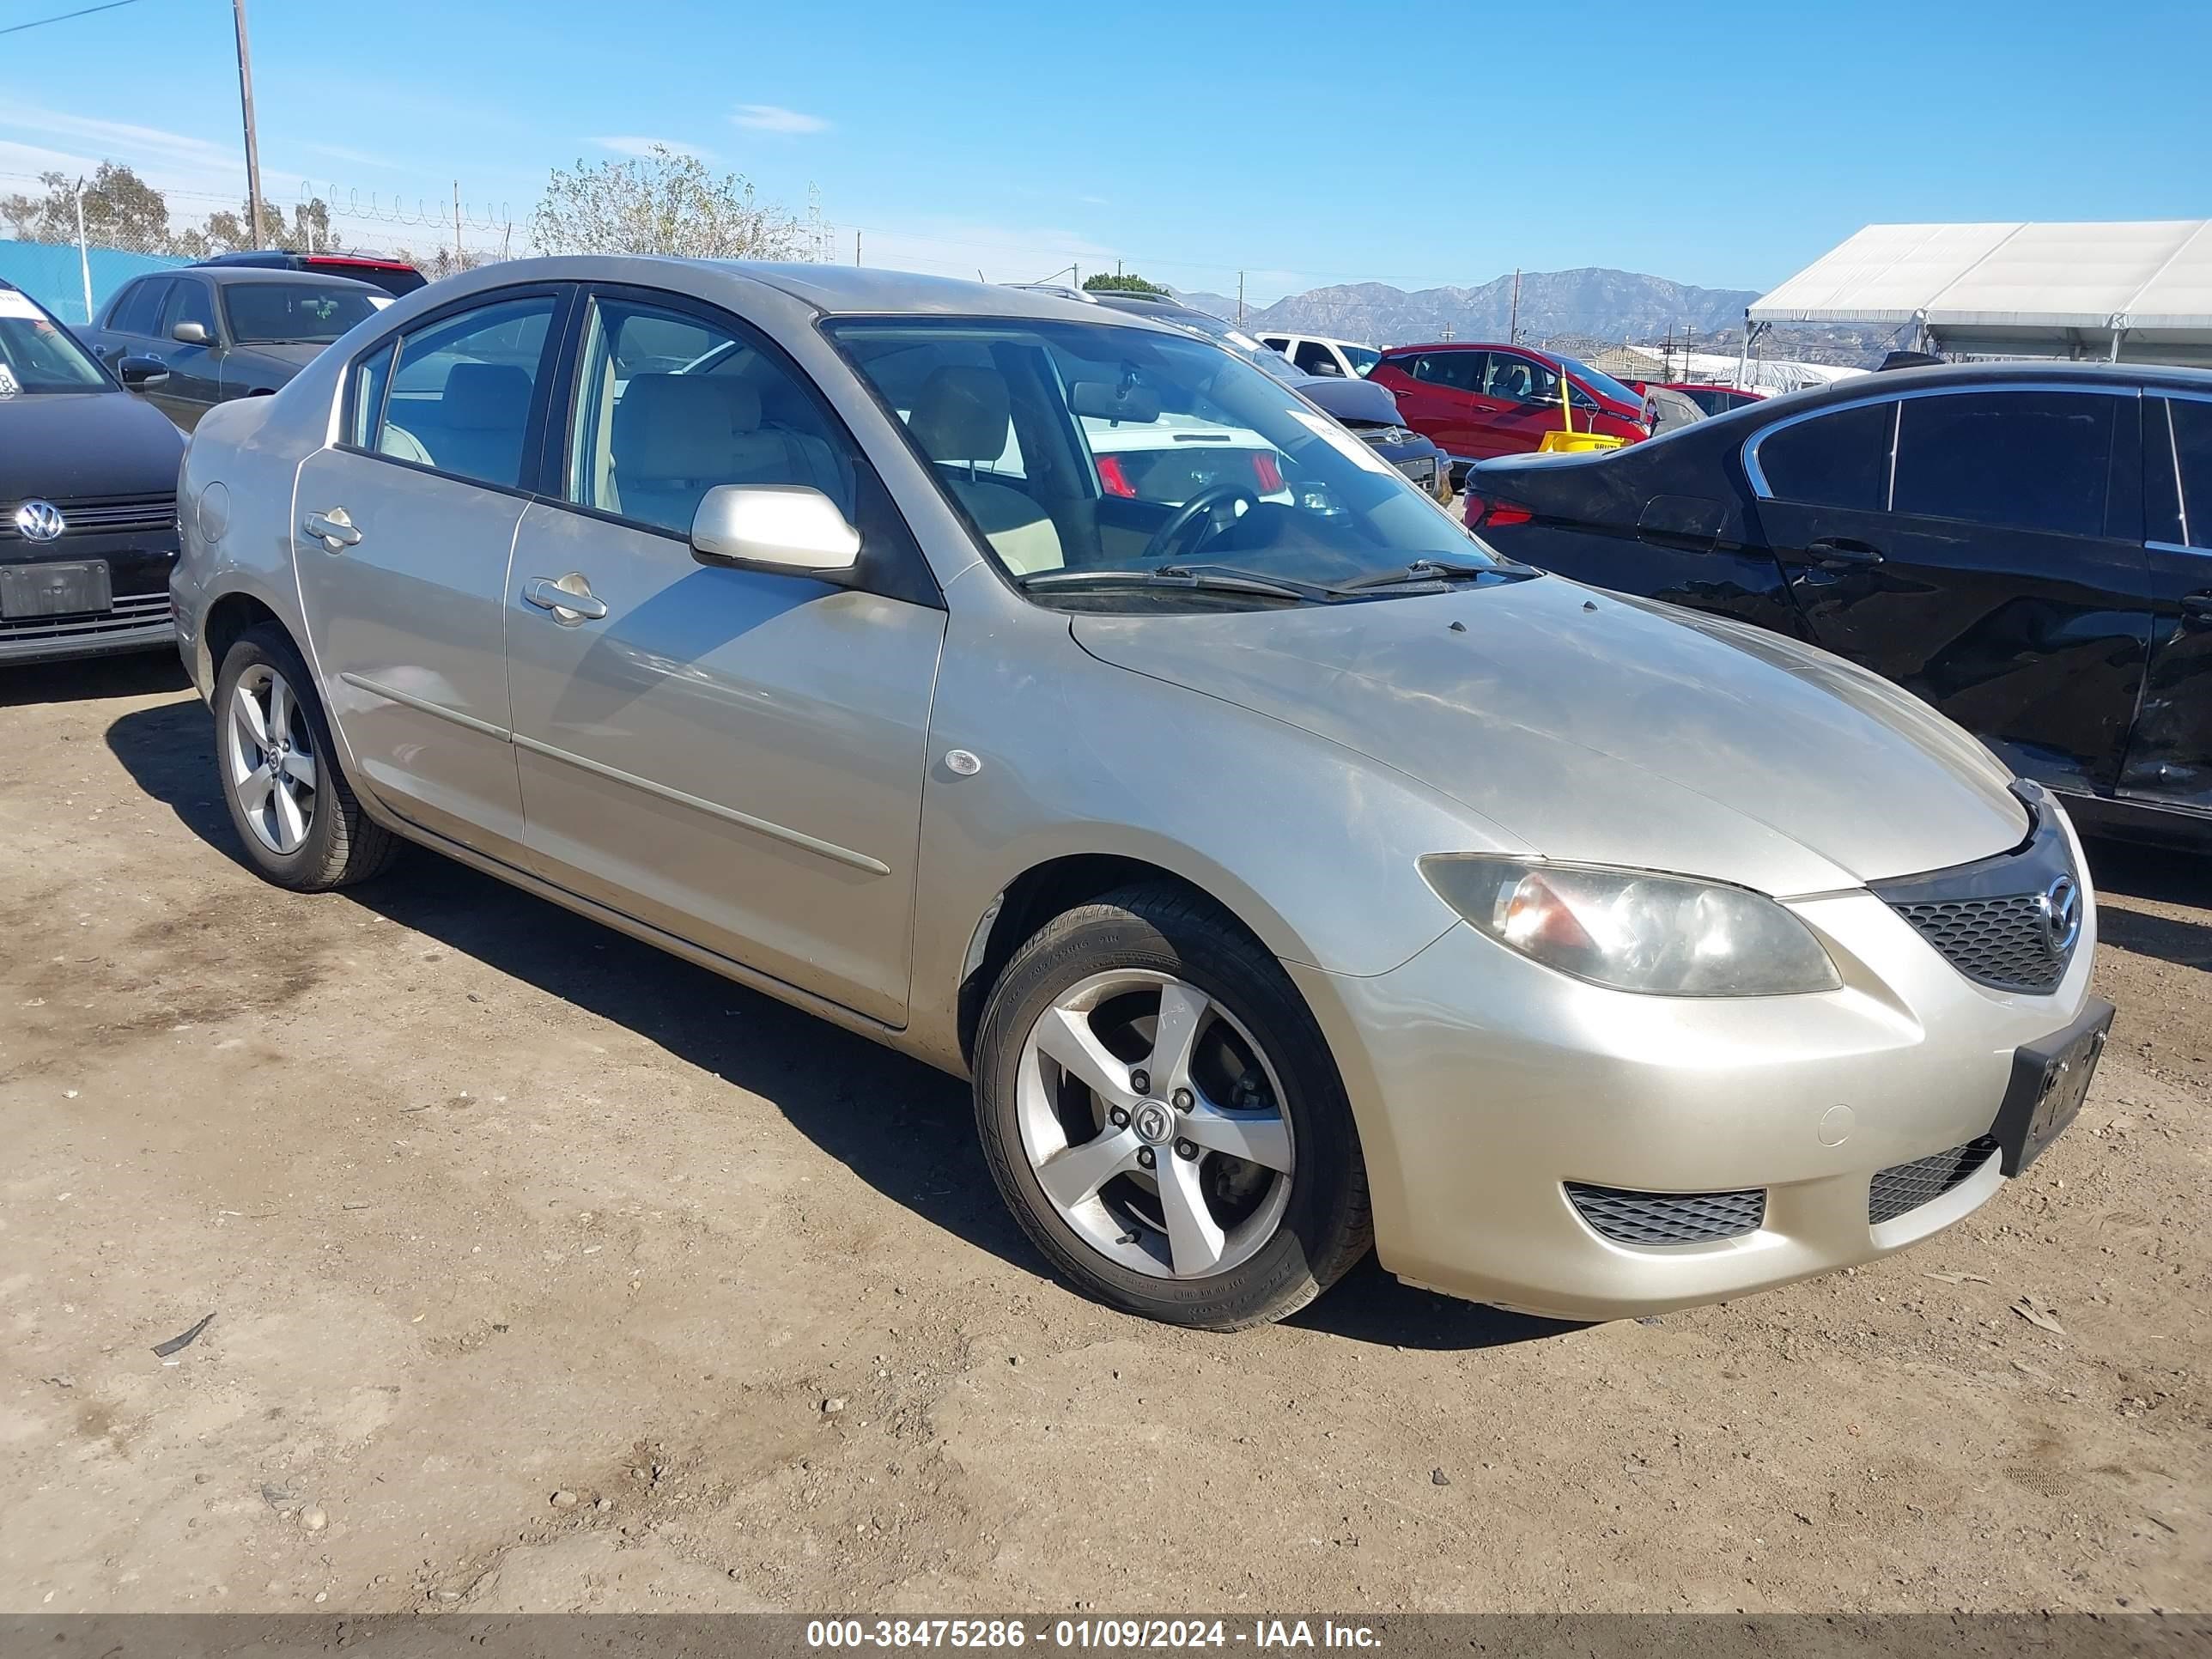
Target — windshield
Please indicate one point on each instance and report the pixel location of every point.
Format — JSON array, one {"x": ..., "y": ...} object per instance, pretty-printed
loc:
[
  {"x": 1362, "y": 358},
  {"x": 279, "y": 313},
  {"x": 1601, "y": 383},
  {"x": 37, "y": 354},
  {"x": 1088, "y": 448}
]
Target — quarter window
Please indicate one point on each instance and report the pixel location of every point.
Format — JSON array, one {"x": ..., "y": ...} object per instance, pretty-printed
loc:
[
  {"x": 370, "y": 380},
  {"x": 2192, "y": 452},
  {"x": 460, "y": 398},
  {"x": 669, "y": 406},
  {"x": 1840, "y": 460},
  {"x": 2033, "y": 460}
]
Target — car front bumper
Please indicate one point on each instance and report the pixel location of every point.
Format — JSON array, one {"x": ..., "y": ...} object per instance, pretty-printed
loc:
[
  {"x": 1484, "y": 1083},
  {"x": 136, "y": 624}
]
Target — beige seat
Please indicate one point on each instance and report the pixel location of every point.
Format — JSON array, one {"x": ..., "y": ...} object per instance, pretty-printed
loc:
[{"x": 961, "y": 417}]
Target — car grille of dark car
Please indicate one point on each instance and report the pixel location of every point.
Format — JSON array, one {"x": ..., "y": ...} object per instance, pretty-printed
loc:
[
  {"x": 2000, "y": 942},
  {"x": 1633, "y": 1218},
  {"x": 1905, "y": 1187},
  {"x": 1379, "y": 435},
  {"x": 109, "y": 516},
  {"x": 132, "y": 611}
]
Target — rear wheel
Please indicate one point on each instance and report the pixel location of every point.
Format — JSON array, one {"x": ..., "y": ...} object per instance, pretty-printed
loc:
[
  {"x": 1164, "y": 1119},
  {"x": 295, "y": 815}
]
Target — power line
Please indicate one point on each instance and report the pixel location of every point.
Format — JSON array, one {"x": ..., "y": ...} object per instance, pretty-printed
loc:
[{"x": 64, "y": 17}]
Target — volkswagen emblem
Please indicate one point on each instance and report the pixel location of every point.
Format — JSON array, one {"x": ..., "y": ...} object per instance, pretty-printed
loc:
[
  {"x": 39, "y": 521},
  {"x": 2061, "y": 905}
]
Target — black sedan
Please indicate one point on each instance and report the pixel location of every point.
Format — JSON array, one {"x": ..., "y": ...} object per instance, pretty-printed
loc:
[
  {"x": 225, "y": 332},
  {"x": 2027, "y": 546},
  {"x": 87, "y": 497}
]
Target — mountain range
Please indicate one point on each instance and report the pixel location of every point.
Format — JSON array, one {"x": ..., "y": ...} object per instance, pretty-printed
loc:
[{"x": 1585, "y": 305}]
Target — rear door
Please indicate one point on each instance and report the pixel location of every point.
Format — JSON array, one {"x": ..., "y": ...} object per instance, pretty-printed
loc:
[
  {"x": 403, "y": 531},
  {"x": 2170, "y": 755},
  {"x": 1436, "y": 392},
  {"x": 1984, "y": 550},
  {"x": 130, "y": 321}
]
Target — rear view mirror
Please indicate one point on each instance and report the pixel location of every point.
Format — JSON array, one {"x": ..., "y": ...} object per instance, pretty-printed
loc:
[
  {"x": 1099, "y": 401},
  {"x": 191, "y": 334},
  {"x": 136, "y": 372},
  {"x": 785, "y": 528}
]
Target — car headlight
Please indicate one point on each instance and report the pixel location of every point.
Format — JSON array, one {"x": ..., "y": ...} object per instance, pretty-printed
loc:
[{"x": 1633, "y": 930}]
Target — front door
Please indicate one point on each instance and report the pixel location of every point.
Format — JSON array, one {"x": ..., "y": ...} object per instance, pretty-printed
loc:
[
  {"x": 194, "y": 379},
  {"x": 733, "y": 756},
  {"x": 1994, "y": 567},
  {"x": 2170, "y": 755},
  {"x": 403, "y": 531}
]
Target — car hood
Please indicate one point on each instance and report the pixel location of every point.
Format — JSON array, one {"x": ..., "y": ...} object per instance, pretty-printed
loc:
[
  {"x": 1352, "y": 400},
  {"x": 1585, "y": 725},
  {"x": 64, "y": 446}
]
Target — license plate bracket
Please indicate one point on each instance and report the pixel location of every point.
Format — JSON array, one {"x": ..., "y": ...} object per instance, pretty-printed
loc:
[
  {"x": 55, "y": 590},
  {"x": 2049, "y": 1081}
]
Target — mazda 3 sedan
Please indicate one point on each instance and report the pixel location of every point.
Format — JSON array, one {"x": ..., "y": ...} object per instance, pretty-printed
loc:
[{"x": 1287, "y": 870}]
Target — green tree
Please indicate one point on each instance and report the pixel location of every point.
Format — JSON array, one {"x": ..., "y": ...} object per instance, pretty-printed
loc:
[
  {"x": 666, "y": 203},
  {"x": 1118, "y": 284},
  {"x": 121, "y": 210}
]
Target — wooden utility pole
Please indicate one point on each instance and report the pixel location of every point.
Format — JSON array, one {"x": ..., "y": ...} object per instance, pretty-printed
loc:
[
  {"x": 1513, "y": 319},
  {"x": 246, "y": 103},
  {"x": 457, "y": 255}
]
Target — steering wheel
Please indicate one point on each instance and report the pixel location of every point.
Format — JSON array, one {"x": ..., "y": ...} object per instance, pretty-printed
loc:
[{"x": 1202, "y": 506}]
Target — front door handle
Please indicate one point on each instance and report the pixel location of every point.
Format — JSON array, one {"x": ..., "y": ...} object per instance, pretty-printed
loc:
[
  {"x": 570, "y": 599},
  {"x": 2196, "y": 608},
  {"x": 1834, "y": 551},
  {"x": 333, "y": 529}
]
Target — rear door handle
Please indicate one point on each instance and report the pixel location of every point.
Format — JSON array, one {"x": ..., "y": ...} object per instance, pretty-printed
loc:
[
  {"x": 2196, "y": 607},
  {"x": 334, "y": 529},
  {"x": 568, "y": 604},
  {"x": 1837, "y": 550}
]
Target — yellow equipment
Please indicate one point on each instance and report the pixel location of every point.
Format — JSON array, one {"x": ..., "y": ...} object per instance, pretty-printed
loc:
[{"x": 1569, "y": 441}]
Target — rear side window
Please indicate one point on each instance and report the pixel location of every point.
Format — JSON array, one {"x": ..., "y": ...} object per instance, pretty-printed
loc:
[
  {"x": 1462, "y": 371},
  {"x": 1840, "y": 460},
  {"x": 2027, "y": 460},
  {"x": 2192, "y": 454},
  {"x": 141, "y": 305},
  {"x": 460, "y": 394}
]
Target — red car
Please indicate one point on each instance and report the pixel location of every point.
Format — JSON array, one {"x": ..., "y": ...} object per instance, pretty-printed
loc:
[{"x": 1474, "y": 401}]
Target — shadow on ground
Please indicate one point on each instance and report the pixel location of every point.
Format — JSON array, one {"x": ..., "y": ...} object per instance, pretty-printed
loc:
[
  {"x": 906, "y": 1129},
  {"x": 2129, "y": 870},
  {"x": 138, "y": 674}
]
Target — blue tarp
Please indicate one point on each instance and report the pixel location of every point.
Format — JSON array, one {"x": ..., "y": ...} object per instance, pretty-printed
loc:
[{"x": 50, "y": 273}]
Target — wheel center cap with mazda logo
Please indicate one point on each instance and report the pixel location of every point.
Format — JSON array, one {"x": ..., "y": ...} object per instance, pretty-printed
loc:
[
  {"x": 39, "y": 521},
  {"x": 1154, "y": 1123},
  {"x": 2061, "y": 904}
]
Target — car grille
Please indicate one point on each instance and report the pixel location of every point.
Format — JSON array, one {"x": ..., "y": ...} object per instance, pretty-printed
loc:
[
  {"x": 1633, "y": 1218},
  {"x": 109, "y": 516},
  {"x": 132, "y": 611},
  {"x": 2000, "y": 942},
  {"x": 1905, "y": 1187},
  {"x": 1379, "y": 435}
]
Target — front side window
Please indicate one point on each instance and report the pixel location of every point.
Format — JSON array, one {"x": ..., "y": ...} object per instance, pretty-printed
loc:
[
  {"x": 2032, "y": 460},
  {"x": 1840, "y": 460},
  {"x": 1362, "y": 358},
  {"x": 2193, "y": 454},
  {"x": 1315, "y": 358},
  {"x": 460, "y": 393},
  {"x": 1518, "y": 380},
  {"x": 670, "y": 405},
  {"x": 1139, "y": 450},
  {"x": 292, "y": 313},
  {"x": 37, "y": 354},
  {"x": 187, "y": 303}
]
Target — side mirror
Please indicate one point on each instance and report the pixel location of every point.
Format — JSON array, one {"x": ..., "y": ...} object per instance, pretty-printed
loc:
[
  {"x": 785, "y": 529},
  {"x": 136, "y": 372},
  {"x": 191, "y": 334}
]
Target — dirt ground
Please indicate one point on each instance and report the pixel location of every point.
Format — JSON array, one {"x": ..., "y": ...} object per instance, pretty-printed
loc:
[{"x": 538, "y": 1261}]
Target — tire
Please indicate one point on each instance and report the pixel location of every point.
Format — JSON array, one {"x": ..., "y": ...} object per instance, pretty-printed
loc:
[
  {"x": 335, "y": 843},
  {"x": 1255, "y": 1241}
]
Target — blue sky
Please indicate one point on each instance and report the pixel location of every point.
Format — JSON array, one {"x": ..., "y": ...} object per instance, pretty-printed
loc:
[{"x": 1718, "y": 143}]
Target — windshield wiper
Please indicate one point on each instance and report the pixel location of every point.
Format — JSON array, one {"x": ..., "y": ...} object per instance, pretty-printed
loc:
[
  {"x": 1192, "y": 578},
  {"x": 1421, "y": 571}
]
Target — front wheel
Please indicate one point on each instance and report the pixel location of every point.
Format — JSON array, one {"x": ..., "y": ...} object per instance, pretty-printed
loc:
[{"x": 1163, "y": 1118}]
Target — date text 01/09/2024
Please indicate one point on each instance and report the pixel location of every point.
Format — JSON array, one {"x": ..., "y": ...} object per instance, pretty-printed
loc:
[{"x": 1083, "y": 1635}]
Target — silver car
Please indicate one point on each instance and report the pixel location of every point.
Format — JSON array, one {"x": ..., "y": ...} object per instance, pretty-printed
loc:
[{"x": 1287, "y": 870}]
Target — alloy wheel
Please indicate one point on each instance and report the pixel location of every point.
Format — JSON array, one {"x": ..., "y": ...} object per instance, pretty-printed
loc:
[
  {"x": 1154, "y": 1125},
  {"x": 270, "y": 759}
]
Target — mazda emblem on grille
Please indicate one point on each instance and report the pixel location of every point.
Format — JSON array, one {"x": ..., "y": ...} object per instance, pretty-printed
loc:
[
  {"x": 2061, "y": 905},
  {"x": 39, "y": 521}
]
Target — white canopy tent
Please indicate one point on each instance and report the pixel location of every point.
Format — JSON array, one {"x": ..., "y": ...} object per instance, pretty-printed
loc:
[{"x": 2139, "y": 292}]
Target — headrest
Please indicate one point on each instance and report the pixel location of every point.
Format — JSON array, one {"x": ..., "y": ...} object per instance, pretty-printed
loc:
[
  {"x": 744, "y": 403},
  {"x": 486, "y": 397},
  {"x": 672, "y": 426},
  {"x": 961, "y": 415}
]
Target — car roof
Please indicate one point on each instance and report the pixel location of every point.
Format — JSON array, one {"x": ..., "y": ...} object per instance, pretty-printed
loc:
[
  {"x": 2045, "y": 371},
  {"x": 243, "y": 275},
  {"x": 1466, "y": 345}
]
